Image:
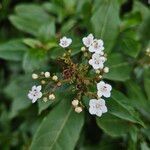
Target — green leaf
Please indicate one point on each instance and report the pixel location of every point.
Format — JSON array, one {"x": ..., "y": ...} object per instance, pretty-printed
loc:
[
  {"x": 144, "y": 146},
  {"x": 113, "y": 125},
  {"x": 60, "y": 126},
  {"x": 119, "y": 68},
  {"x": 18, "y": 90},
  {"x": 105, "y": 21},
  {"x": 147, "y": 82},
  {"x": 143, "y": 28},
  {"x": 128, "y": 43},
  {"x": 33, "y": 43},
  {"x": 58, "y": 95},
  {"x": 34, "y": 59},
  {"x": 12, "y": 50},
  {"x": 29, "y": 18},
  {"x": 120, "y": 106},
  {"x": 47, "y": 31},
  {"x": 137, "y": 98}
]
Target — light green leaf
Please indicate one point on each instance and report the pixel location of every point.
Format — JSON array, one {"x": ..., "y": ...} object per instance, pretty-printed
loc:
[
  {"x": 144, "y": 146},
  {"x": 12, "y": 50},
  {"x": 29, "y": 18},
  {"x": 33, "y": 43},
  {"x": 119, "y": 68},
  {"x": 34, "y": 59},
  {"x": 60, "y": 129},
  {"x": 47, "y": 31},
  {"x": 105, "y": 21}
]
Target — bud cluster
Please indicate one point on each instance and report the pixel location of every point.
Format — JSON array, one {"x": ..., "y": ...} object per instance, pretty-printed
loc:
[{"x": 79, "y": 75}]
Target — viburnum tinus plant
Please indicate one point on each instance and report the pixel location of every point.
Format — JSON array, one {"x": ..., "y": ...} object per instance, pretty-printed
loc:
[{"x": 80, "y": 76}]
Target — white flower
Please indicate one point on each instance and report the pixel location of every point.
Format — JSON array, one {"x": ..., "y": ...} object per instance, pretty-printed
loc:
[
  {"x": 35, "y": 93},
  {"x": 104, "y": 89},
  {"x": 97, "y": 61},
  {"x": 97, "y": 46},
  {"x": 65, "y": 42},
  {"x": 97, "y": 107},
  {"x": 87, "y": 41}
]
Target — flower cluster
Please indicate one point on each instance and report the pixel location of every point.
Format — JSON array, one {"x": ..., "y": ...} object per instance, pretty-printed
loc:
[{"x": 78, "y": 75}]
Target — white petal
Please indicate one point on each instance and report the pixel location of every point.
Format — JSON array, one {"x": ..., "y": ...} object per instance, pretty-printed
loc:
[
  {"x": 91, "y": 49},
  {"x": 99, "y": 93},
  {"x": 91, "y": 62},
  {"x": 92, "y": 102},
  {"x": 69, "y": 40},
  {"x": 92, "y": 111},
  {"x": 33, "y": 88},
  {"x": 106, "y": 94},
  {"x": 100, "y": 85},
  {"x": 39, "y": 95},
  {"x": 30, "y": 96},
  {"x": 109, "y": 87},
  {"x": 34, "y": 99},
  {"x": 91, "y": 36},
  {"x": 95, "y": 66},
  {"x": 101, "y": 101},
  {"x": 99, "y": 113},
  {"x": 100, "y": 42},
  {"x": 104, "y": 109},
  {"x": 39, "y": 88}
]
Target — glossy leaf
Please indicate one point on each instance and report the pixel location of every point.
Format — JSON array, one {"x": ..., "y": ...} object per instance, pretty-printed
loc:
[
  {"x": 105, "y": 21},
  {"x": 119, "y": 68},
  {"x": 62, "y": 124}
]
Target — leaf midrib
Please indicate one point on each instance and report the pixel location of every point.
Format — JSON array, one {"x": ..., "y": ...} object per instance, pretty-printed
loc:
[
  {"x": 105, "y": 20},
  {"x": 63, "y": 124}
]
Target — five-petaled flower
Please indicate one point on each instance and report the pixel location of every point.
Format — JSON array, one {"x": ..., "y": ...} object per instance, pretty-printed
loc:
[
  {"x": 35, "y": 93},
  {"x": 65, "y": 42},
  {"x": 87, "y": 41},
  {"x": 97, "y": 46},
  {"x": 97, "y": 61},
  {"x": 104, "y": 89},
  {"x": 97, "y": 107}
]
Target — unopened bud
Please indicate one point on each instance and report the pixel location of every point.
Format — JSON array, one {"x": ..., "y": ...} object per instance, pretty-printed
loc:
[
  {"x": 75, "y": 102},
  {"x": 106, "y": 69},
  {"x": 100, "y": 76},
  {"x": 43, "y": 81},
  {"x": 45, "y": 99},
  {"x": 78, "y": 109},
  {"x": 47, "y": 74},
  {"x": 34, "y": 76},
  {"x": 51, "y": 96},
  {"x": 83, "y": 49},
  {"x": 55, "y": 78},
  {"x": 97, "y": 71}
]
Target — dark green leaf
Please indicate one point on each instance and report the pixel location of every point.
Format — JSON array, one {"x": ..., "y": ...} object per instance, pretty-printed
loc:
[
  {"x": 105, "y": 21},
  {"x": 113, "y": 125},
  {"x": 119, "y": 68},
  {"x": 62, "y": 124}
]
